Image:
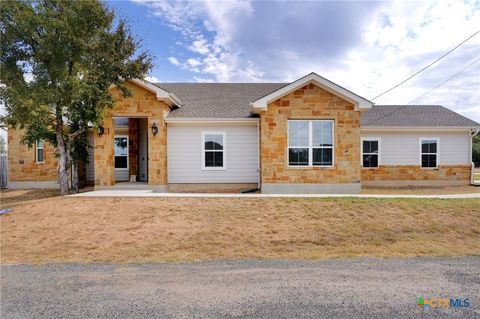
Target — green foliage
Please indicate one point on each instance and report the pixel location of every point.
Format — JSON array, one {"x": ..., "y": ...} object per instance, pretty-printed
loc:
[
  {"x": 3, "y": 146},
  {"x": 74, "y": 53},
  {"x": 58, "y": 60},
  {"x": 476, "y": 150}
]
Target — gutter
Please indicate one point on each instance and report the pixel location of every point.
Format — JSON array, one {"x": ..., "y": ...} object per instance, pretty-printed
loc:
[{"x": 211, "y": 120}]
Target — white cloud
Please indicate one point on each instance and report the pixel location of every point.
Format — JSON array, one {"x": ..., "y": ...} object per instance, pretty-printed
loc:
[
  {"x": 152, "y": 79},
  {"x": 173, "y": 60},
  {"x": 365, "y": 46},
  {"x": 193, "y": 63},
  {"x": 200, "y": 46}
]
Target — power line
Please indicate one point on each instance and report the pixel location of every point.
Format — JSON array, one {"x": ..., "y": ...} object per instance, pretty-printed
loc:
[
  {"x": 439, "y": 85},
  {"x": 423, "y": 69}
]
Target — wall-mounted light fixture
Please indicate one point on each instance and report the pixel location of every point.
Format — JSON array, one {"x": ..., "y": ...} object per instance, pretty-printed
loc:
[
  {"x": 154, "y": 129},
  {"x": 100, "y": 130}
]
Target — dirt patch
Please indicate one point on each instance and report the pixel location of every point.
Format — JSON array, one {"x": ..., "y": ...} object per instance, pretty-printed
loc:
[{"x": 183, "y": 229}]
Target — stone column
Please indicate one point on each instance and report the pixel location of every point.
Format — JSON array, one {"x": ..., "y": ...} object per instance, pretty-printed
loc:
[{"x": 104, "y": 163}]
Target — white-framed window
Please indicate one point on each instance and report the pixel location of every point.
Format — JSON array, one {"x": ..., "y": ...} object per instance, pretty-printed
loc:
[
  {"x": 429, "y": 152},
  {"x": 121, "y": 152},
  {"x": 214, "y": 150},
  {"x": 40, "y": 151},
  {"x": 311, "y": 143},
  {"x": 370, "y": 152}
]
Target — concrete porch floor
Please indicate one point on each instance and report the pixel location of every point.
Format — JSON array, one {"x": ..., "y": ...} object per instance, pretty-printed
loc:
[{"x": 126, "y": 186}]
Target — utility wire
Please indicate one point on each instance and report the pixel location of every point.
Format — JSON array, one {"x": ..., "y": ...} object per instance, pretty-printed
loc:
[
  {"x": 401, "y": 107},
  {"x": 426, "y": 67},
  {"x": 439, "y": 85}
]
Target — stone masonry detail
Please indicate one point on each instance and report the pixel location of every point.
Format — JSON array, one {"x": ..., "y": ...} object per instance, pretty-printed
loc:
[{"x": 310, "y": 102}]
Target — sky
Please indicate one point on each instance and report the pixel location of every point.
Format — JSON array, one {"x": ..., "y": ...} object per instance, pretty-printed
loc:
[{"x": 365, "y": 46}]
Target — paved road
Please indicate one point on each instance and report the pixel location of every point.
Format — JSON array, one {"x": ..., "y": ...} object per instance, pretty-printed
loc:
[{"x": 357, "y": 288}]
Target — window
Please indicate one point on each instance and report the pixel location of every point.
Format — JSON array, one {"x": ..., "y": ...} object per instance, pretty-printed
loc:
[
  {"x": 370, "y": 152},
  {"x": 310, "y": 143},
  {"x": 213, "y": 144},
  {"x": 39, "y": 151},
  {"x": 429, "y": 152},
  {"x": 121, "y": 152}
]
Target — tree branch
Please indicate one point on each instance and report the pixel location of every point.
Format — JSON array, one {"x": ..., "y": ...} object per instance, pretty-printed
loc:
[{"x": 76, "y": 133}]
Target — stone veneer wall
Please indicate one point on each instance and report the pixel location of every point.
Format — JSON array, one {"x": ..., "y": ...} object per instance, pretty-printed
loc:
[
  {"x": 416, "y": 173},
  {"x": 142, "y": 103},
  {"x": 310, "y": 102},
  {"x": 21, "y": 161}
]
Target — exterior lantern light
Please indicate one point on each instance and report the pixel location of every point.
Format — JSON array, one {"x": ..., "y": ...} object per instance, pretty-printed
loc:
[
  {"x": 154, "y": 129},
  {"x": 100, "y": 130}
]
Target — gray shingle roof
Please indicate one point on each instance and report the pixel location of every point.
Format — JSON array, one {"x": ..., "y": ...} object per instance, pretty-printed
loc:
[
  {"x": 232, "y": 101},
  {"x": 217, "y": 100},
  {"x": 414, "y": 116}
]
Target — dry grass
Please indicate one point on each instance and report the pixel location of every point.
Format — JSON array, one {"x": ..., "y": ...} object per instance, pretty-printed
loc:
[
  {"x": 420, "y": 190},
  {"x": 184, "y": 229}
]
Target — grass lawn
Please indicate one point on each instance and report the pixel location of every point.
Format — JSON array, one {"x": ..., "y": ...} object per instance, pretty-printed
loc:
[{"x": 54, "y": 229}]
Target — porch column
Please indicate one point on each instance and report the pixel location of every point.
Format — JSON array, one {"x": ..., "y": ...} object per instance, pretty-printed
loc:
[
  {"x": 104, "y": 163},
  {"x": 157, "y": 151}
]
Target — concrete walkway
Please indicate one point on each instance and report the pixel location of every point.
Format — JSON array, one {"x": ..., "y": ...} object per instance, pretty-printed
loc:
[{"x": 152, "y": 193}]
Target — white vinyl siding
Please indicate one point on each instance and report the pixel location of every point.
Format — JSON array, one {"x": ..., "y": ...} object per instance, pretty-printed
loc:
[
  {"x": 399, "y": 148},
  {"x": 184, "y": 152}
]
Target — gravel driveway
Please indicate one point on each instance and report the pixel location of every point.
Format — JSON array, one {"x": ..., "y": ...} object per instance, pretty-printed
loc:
[{"x": 356, "y": 288}]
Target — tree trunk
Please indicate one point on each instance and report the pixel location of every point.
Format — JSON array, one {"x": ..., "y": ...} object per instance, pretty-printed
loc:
[
  {"x": 62, "y": 161},
  {"x": 75, "y": 176}
]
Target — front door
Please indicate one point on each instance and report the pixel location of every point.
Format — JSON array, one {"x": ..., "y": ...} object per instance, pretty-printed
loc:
[
  {"x": 121, "y": 158},
  {"x": 143, "y": 150}
]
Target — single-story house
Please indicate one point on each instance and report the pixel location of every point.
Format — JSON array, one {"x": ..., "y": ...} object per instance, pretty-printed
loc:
[{"x": 308, "y": 136}]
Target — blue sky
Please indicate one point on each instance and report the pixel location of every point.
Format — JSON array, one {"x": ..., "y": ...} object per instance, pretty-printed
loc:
[{"x": 366, "y": 46}]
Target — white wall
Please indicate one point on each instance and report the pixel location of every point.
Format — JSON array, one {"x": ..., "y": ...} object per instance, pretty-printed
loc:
[
  {"x": 403, "y": 148},
  {"x": 184, "y": 153}
]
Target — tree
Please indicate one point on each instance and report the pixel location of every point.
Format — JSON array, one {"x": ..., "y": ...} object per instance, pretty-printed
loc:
[
  {"x": 476, "y": 150},
  {"x": 3, "y": 146},
  {"x": 59, "y": 60}
]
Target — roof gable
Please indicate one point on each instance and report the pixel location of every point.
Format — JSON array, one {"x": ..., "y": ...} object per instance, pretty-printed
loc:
[
  {"x": 358, "y": 101},
  {"x": 161, "y": 94}
]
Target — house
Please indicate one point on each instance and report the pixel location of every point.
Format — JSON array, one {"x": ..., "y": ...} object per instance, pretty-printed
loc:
[{"x": 308, "y": 136}]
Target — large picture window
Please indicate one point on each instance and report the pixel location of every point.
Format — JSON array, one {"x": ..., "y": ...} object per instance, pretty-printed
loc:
[
  {"x": 370, "y": 152},
  {"x": 121, "y": 152},
  {"x": 213, "y": 144},
  {"x": 40, "y": 151},
  {"x": 429, "y": 152},
  {"x": 310, "y": 142}
]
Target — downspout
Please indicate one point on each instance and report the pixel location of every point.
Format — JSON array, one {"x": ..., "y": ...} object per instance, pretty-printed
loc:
[
  {"x": 259, "y": 183},
  {"x": 473, "y": 133}
]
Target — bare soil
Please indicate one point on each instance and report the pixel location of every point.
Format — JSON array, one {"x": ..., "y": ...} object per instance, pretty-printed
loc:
[{"x": 82, "y": 229}]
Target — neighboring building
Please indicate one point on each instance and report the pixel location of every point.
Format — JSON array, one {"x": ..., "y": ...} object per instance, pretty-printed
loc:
[{"x": 309, "y": 136}]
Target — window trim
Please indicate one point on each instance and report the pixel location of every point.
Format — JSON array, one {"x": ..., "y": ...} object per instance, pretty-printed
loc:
[
  {"x": 36, "y": 152},
  {"x": 128, "y": 153},
  {"x": 379, "y": 141},
  {"x": 436, "y": 139},
  {"x": 224, "y": 136},
  {"x": 310, "y": 144}
]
